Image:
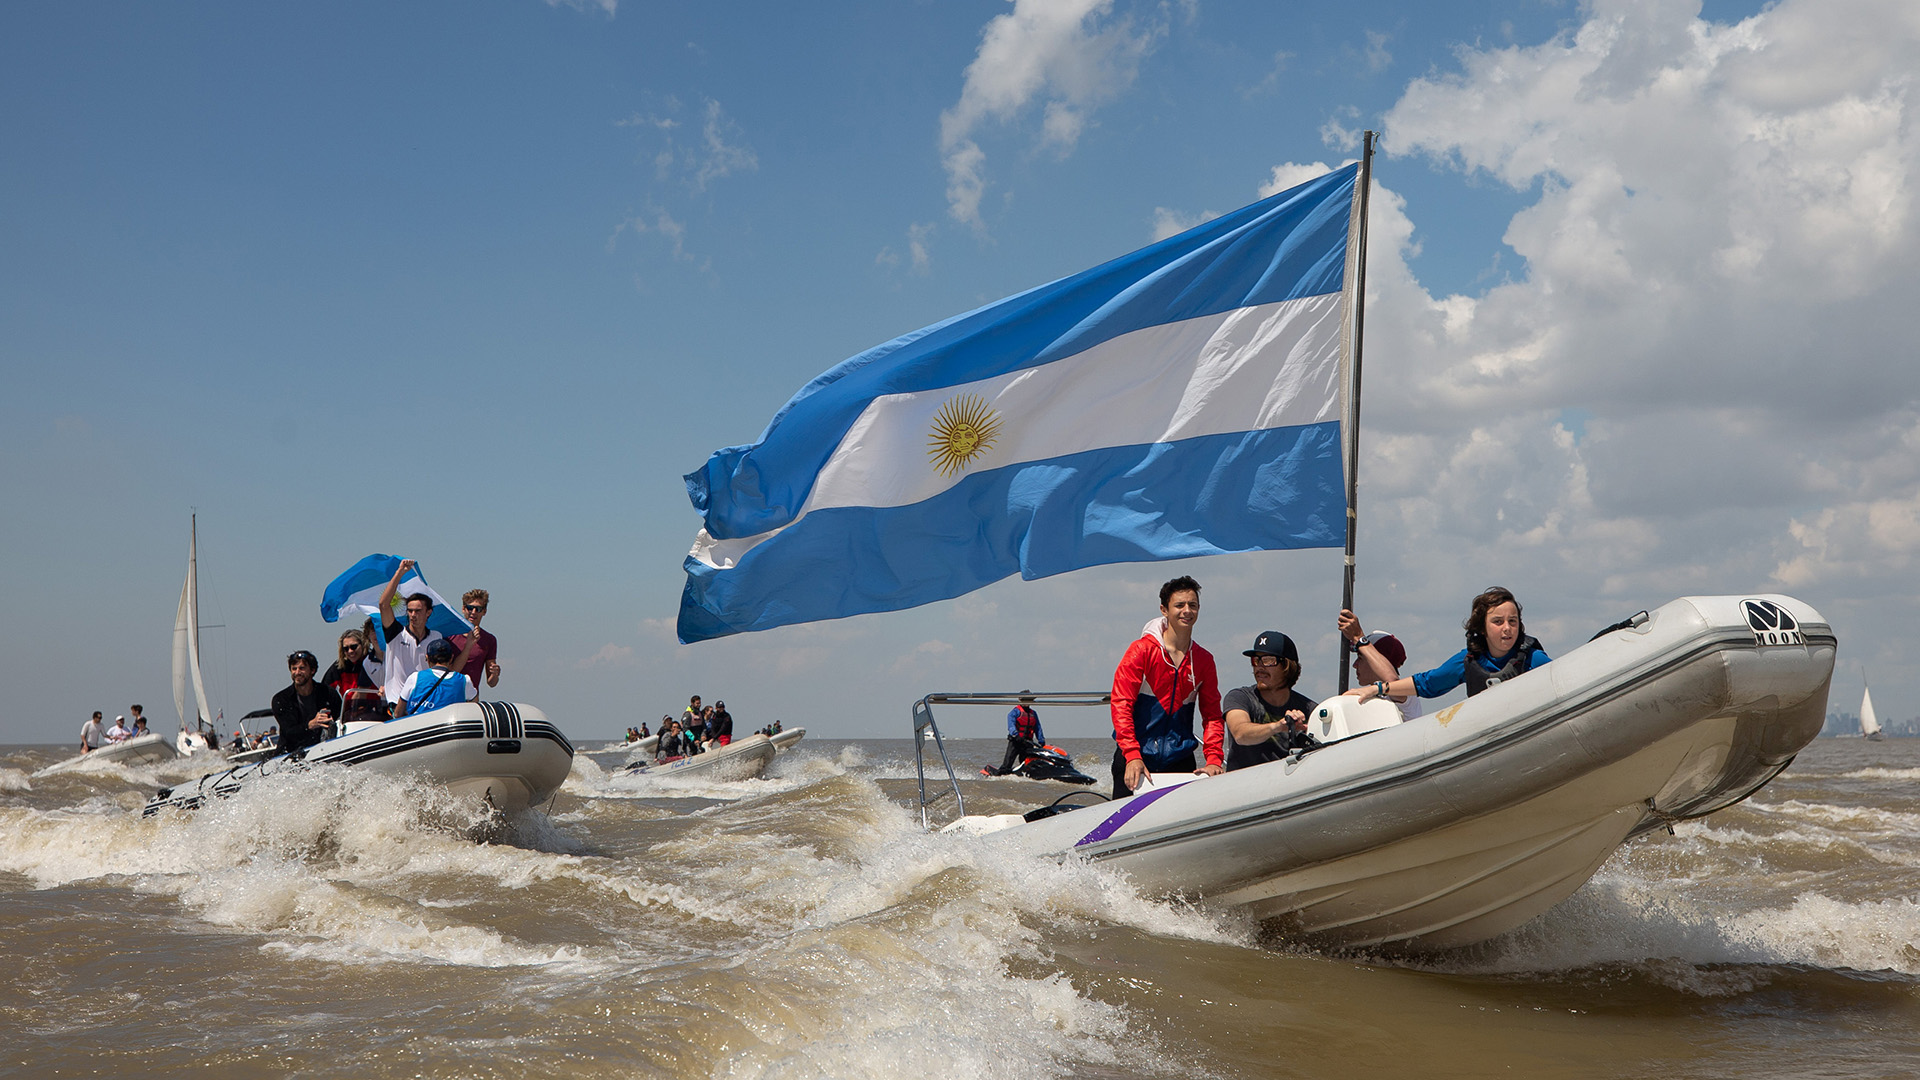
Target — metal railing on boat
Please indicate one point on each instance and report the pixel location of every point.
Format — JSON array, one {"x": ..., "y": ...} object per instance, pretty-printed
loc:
[{"x": 926, "y": 730}]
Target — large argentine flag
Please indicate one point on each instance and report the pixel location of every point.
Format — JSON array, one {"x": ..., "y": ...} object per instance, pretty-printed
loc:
[
  {"x": 357, "y": 592},
  {"x": 1182, "y": 400}
]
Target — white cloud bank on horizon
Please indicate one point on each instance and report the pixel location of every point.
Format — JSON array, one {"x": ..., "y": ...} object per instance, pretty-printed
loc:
[
  {"x": 1720, "y": 266},
  {"x": 1066, "y": 55}
]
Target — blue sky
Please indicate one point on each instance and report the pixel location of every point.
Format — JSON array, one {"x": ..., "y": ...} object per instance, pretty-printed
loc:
[{"x": 477, "y": 284}]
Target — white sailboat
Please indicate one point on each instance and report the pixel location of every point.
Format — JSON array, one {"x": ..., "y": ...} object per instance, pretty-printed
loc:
[
  {"x": 186, "y": 655},
  {"x": 147, "y": 749},
  {"x": 1869, "y": 723}
]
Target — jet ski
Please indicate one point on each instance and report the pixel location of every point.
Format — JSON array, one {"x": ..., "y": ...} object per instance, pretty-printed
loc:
[{"x": 1041, "y": 762}]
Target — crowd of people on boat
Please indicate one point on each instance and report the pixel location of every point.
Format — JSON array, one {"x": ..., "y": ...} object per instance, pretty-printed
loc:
[
  {"x": 1164, "y": 678},
  {"x": 698, "y": 729},
  {"x": 419, "y": 669},
  {"x": 94, "y": 733}
]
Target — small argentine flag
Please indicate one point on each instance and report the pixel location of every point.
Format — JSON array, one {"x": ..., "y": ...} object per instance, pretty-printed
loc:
[
  {"x": 357, "y": 592},
  {"x": 1183, "y": 400}
]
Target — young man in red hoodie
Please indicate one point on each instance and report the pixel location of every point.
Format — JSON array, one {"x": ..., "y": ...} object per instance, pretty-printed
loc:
[{"x": 1159, "y": 682}]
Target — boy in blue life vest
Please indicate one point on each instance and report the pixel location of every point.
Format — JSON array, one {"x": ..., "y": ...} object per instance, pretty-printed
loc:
[{"x": 437, "y": 685}]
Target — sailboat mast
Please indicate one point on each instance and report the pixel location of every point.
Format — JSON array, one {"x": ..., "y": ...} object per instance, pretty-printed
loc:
[
  {"x": 193, "y": 624},
  {"x": 1352, "y": 426}
]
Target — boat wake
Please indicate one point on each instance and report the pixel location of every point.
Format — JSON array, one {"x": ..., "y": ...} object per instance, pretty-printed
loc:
[{"x": 1683, "y": 911}]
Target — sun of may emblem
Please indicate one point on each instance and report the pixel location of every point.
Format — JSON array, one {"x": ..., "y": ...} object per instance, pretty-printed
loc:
[{"x": 962, "y": 430}]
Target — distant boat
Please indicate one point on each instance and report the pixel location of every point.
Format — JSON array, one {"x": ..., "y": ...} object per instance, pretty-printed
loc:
[
  {"x": 745, "y": 759},
  {"x": 186, "y": 654},
  {"x": 141, "y": 750},
  {"x": 1869, "y": 723}
]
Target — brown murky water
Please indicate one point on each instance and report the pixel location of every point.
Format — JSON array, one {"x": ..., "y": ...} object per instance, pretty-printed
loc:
[{"x": 801, "y": 926}]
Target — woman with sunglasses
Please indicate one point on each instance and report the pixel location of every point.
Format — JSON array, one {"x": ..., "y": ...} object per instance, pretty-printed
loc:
[{"x": 356, "y": 679}]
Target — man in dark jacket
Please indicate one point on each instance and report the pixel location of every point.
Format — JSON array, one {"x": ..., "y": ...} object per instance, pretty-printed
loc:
[{"x": 304, "y": 710}]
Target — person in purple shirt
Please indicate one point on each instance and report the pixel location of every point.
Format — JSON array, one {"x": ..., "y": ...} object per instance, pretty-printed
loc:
[{"x": 479, "y": 651}]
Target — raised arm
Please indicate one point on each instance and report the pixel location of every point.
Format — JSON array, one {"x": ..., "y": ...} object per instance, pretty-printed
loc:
[{"x": 386, "y": 597}]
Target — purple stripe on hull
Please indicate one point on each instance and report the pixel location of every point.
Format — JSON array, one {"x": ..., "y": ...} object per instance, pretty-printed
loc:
[{"x": 1121, "y": 817}]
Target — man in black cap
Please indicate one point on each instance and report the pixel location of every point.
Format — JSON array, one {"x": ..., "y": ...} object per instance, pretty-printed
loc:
[
  {"x": 304, "y": 709},
  {"x": 1266, "y": 719}
]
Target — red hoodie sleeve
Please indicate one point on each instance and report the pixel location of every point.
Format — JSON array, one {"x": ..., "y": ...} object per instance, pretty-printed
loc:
[
  {"x": 1126, "y": 686},
  {"x": 1213, "y": 726}
]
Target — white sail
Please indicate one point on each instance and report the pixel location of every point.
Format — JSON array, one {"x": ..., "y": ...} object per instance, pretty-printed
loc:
[
  {"x": 186, "y": 641},
  {"x": 1869, "y": 723},
  {"x": 183, "y": 624}
]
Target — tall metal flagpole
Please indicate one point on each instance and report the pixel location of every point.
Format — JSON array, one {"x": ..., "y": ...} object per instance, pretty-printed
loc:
[{"x": 1353, "y": 394}]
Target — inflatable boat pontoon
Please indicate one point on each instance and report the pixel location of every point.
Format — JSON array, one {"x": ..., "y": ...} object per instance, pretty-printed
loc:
[
  {"x": 1454, "y": 827},
  {"x": 742, "y": 759},
  {"x": 509, "y": 754},
  {"x": 140, "y": 750},
  {"x": 640, "y": 751}
]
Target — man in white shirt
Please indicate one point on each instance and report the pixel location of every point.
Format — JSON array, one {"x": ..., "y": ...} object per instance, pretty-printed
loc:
[
  {"x": 406, "y": 643},
  {"x": 119, "y": 732},
  {"x": 92, "y": 735}
]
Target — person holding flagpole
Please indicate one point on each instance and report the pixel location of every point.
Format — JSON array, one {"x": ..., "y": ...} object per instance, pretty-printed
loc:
[
  {"x": 406, "y": 642},
  {"x": 1162, "y": 677}
]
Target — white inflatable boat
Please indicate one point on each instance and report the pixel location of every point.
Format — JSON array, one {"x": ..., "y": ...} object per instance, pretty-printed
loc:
[
  {"x": 640, "y": 752},
  {"x": 742, "y": 759},
  {"x": 141, "y": 750},
  {"x": 509, "y": 754},
  {"x": 1454, "y": 827}
]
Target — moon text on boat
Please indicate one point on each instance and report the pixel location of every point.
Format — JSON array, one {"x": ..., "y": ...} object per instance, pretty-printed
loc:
[{"x": 1771, "y": 623}]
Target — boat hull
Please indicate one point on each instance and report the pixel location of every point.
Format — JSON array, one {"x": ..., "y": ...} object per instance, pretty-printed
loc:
[
  {"x": 1455, "y": 827},
  {"x": 510, "y": 755},
  {"x": 741, "y": 760},
  {"x": 144, "y": 750}
]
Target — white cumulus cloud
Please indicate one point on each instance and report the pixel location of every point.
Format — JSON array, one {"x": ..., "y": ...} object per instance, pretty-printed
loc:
[
  {"x": 1065, "y": 57},
  {"x": 1703, "y": 379}
]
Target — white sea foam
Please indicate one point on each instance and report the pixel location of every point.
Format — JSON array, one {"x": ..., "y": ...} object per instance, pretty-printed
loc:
[
  {"x": 914, "y": 940},
  {"x": 1679, "y": 932},
  {"x": 335, "y": 920},
  {"x": 320, "y": 861},
  {"x": 14, "y": 780},
  {"x": 1881, "y": 774}
]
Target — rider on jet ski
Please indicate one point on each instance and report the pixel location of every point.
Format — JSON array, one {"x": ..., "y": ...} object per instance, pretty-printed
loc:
[{"x": 1023, "y": 735}]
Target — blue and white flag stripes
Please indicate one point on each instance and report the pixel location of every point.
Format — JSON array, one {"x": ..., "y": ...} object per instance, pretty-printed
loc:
[
  {"x": 1182, "y": 400},
  {"x": 357, "y": 592}
]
